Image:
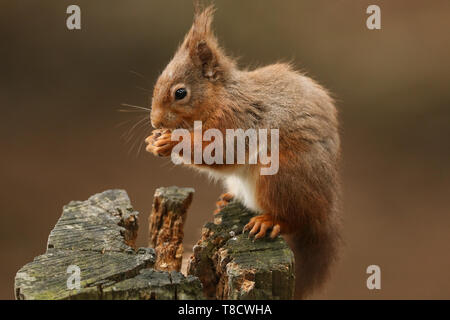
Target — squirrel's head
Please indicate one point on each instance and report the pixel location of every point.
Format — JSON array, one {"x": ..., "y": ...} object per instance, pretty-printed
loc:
[{"x": 191, "y": 83}]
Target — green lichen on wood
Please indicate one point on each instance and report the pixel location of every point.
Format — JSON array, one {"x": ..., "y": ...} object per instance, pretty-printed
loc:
[
  {"x": 233, "y": 266},
  {"x": 154, "y": 284},
  {"x": 46, "y": 277},
  {"x": 97, "y": 236}
]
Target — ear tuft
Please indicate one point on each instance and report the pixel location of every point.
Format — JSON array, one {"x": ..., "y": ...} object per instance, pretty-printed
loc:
[
  {"x": 201, "y": 43},
  {"x": 201, "y": 28},
  {"x": 203, "y": 19}
]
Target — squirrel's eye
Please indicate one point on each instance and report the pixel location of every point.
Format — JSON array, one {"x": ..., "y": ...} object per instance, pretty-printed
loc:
[{"x": 180, "y": 94}]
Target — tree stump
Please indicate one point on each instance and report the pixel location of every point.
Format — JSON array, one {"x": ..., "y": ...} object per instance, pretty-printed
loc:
[
  {"x": 233, "y": 266},
  {"x": 96, "y": 237}
]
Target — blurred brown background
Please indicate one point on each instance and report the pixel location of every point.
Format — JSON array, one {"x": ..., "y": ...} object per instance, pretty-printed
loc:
[{"x": 60, "y": 139}]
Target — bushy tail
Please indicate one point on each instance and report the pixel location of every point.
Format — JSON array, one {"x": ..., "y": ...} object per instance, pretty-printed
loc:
[{"x": 314, "y": 256}]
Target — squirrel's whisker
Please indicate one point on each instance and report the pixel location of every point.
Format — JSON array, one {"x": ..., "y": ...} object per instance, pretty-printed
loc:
[
  {"x": 136, "y": 107},
  {"x": 143, "y": 89},
  {"x": 130, "y": 131},
  {"x": 140, "y": 75},
  {"x": 146, "y": 132},
  {"x": 138, "y": 142},
  {"x": 122, "y": 123},
  {"x": 131, "y": 111}
]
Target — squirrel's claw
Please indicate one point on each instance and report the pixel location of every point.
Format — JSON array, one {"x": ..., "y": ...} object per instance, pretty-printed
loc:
[
  {"x": 276, "y": 230},
  {"x": 255, "y": 228},
  {"x": 262, "y": 230},
  {"x": 159, "y": 143},
  {"x": 259, "y": 225}
]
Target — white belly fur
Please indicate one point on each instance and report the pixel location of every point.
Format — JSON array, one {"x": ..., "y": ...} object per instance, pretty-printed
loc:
[{"x": 240, "y": 183}]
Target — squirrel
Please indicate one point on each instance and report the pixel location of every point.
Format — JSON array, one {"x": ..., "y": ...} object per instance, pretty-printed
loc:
[{"x": 301, "y": 201}]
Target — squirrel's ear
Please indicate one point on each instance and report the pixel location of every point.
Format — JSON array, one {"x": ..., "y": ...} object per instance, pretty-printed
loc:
[
  {"x": 202, "y": 45},
  {"x": 207, "y": 60}
]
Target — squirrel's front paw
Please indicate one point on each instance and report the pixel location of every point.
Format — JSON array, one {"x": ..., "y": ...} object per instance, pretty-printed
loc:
[
  {"x": 260, "y": 224},
  {"x": 160, "y": 143}
]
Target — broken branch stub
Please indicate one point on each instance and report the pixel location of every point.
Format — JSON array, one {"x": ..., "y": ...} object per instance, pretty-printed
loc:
[{"x": 166, "y": 225}]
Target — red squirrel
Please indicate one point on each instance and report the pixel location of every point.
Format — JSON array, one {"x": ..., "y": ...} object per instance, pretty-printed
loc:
[{"x": 202, "y": 83}]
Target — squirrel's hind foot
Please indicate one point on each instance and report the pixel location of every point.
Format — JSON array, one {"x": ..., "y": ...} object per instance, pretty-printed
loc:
[{"x": 259, "y": 225}]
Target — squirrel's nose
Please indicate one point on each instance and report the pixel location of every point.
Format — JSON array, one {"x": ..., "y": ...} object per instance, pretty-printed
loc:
[
  {"x": 155, "y": 119},
  {"x": 155, "y": 125}
]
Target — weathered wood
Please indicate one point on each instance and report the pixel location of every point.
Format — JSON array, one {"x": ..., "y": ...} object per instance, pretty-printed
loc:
[
  {"x": 97, "y": 236},
  {"x": 233, "y": 266},
  {"x": 166, "y": 225}
]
